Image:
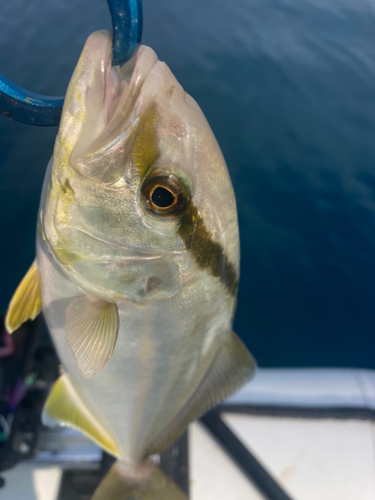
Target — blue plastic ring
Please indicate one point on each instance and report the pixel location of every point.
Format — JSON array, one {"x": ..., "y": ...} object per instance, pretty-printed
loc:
[{"x": 23, "y": 106}]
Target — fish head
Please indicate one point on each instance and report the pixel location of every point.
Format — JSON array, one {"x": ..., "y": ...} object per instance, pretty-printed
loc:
[{"x": 138, "y": 202}]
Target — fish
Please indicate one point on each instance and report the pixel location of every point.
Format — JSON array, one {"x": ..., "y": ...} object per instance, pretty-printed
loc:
[{"x": 137, "y": 267}]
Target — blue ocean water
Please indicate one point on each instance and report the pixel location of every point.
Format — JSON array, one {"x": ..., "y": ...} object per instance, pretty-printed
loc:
[{"x": 288, "y": 87}]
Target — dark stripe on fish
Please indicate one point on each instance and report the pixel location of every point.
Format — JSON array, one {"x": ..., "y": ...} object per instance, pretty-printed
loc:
[{"x": 207, "y": 253}]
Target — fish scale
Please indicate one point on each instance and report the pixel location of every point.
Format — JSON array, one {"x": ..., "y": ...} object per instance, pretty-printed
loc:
[{"x": 151, "y": 382}]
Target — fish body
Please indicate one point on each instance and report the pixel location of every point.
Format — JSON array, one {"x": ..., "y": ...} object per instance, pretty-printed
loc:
[{"x": 137, "y": 260}]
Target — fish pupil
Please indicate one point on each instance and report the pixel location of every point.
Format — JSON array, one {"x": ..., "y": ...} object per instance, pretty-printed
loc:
[{"x": 162, "y": 197}]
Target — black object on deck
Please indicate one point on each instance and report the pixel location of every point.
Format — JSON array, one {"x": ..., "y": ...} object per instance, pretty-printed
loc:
[{"x": 175, "y": 462}]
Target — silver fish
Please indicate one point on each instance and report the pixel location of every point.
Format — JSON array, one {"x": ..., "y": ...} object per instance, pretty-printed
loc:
[{"x": 137, "y": 266}]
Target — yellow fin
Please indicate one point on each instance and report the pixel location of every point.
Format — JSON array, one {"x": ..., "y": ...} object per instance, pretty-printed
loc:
[
  {"x": 26, "y": 302},
  {"x": 67, "y": 405},
  {"x": 91, "y": 332},
  {"x": 144, "y": 482}
]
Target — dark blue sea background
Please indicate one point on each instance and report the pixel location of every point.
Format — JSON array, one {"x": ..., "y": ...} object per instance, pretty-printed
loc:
[{"x": 288, "y": 87}]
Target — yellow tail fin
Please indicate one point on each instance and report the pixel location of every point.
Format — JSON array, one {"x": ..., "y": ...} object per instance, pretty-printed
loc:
[{"x": 146, "y": 482}]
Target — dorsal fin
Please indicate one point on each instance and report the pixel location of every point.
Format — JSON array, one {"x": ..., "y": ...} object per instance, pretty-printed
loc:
[
  {"x": 67, "y": 405},
  {"x": 26, "y": 301},
  {"x": 233, "y": 367}
]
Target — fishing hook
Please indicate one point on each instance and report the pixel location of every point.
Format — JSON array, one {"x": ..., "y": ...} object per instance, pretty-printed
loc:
[{"x": 23, "y": 106}]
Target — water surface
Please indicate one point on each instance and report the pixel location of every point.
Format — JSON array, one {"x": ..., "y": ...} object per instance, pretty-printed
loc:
[{"x": 288, "y": 87}]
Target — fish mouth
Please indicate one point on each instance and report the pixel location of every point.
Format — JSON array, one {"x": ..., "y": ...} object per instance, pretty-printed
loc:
[{"x": 114, "y": 97}]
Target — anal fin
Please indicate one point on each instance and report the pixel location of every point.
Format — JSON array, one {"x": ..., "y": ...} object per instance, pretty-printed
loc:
[
  {"x": 66, "y": 405},
  {"x": 91, "y": 332},
  {"x": 26, "y": 302},
  {"x": 233, "y": 367}
]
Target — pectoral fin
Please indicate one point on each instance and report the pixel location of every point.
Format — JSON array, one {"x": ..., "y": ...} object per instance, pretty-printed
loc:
[
  {"x": 66, "y": 405},
  {"x": 26, "y": 302},
  {"x": 233, "y": 367},
  {"x": 91, "y": 332}
]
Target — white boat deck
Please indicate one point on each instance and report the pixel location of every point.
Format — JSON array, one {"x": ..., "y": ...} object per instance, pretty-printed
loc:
[{"x": 311, "y": 458}]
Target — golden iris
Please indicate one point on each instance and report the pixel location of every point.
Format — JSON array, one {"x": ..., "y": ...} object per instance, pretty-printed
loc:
[{"x": 164, "y": 194}]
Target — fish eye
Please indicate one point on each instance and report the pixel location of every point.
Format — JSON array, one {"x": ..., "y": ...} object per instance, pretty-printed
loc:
[
  {"x": 164, "y": 194},
  {"x": 162, "y": 197}
]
